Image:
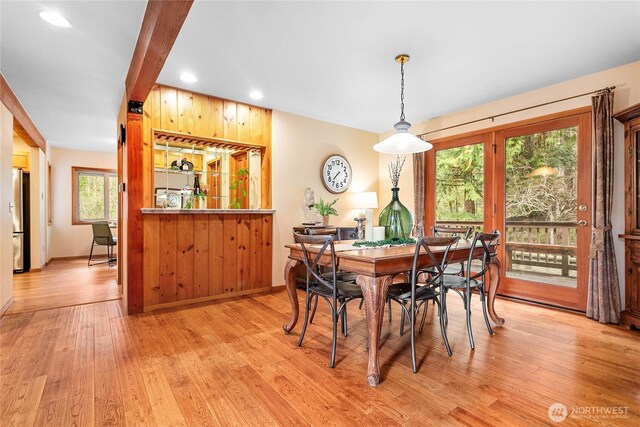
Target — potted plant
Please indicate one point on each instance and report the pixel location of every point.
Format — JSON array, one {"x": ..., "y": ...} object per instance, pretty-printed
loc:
[{"x": 325, "y": 209}]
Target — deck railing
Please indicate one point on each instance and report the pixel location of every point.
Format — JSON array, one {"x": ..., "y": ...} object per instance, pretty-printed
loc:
[{"x": 538, "y": 246}]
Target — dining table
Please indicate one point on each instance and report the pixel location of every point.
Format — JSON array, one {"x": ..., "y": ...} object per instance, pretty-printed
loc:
[{"x": 374, "y": 268}]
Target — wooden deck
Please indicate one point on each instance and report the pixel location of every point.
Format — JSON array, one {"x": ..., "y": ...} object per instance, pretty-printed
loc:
[{"x": 228, "y": 363}]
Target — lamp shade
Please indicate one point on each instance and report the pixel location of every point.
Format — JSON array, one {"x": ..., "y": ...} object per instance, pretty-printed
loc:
[
  {"x": 402, "y": 142},
  {"x": 366, "y": 200}
]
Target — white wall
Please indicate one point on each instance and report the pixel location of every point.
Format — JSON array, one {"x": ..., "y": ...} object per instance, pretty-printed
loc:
[
  {"x": 69, "y": 240},
  {"x": 627, "y": 81},
  {"x": 300, "y": 145},
  {"x": 6, "y": 197}
]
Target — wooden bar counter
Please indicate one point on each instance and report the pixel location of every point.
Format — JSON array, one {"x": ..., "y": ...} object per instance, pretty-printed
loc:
[{"x": 194, "y": 255}]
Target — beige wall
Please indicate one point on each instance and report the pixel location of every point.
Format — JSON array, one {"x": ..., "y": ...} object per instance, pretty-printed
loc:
[
  {"x": 300, "y": 145},
  {"x": 627, "y": 81},
  {"x": 6, "y": 197},
  {"x": 66, "y": 239}
]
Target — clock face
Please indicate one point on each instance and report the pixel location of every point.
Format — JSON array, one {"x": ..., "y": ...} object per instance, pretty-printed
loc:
[
  {"x": 336, "y": 174},
  {"x": 174, "y": 200}
]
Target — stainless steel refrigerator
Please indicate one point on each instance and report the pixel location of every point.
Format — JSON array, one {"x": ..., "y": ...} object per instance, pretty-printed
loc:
[{"x": 20, "y": 221}]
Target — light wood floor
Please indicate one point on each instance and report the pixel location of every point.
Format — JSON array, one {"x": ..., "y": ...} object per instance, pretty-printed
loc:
[
  {"x": 63, "y": 283},
  {"x": 229, "y": 363}
]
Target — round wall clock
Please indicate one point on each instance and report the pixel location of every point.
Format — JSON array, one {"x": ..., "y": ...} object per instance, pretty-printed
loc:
[{"x": 336, "y": 174}]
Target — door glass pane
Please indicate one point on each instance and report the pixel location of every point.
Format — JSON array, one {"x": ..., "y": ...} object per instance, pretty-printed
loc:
[
  {"x": 541, "y": 196},
  {"x": 460, "y": 186}
]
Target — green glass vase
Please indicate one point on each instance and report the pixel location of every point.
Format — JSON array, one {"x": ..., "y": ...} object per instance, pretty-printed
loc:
[{"x": 396, "y": 218}]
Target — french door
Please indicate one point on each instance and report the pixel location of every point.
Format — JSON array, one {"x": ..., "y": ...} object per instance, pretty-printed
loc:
[
  {"x": 543, "y": 210},
  {"x": 531, "y": 182}
]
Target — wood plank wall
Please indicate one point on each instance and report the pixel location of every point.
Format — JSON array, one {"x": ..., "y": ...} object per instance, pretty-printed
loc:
[
  {"x": 191, "y": 258},
  {"x": 191, "y": 113}
]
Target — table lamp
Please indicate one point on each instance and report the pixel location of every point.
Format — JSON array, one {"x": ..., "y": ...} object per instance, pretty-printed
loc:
[{"x": 368, "y": 201}]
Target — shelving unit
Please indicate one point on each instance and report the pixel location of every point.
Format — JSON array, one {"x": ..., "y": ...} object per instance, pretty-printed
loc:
[{"x": 228, "y": 173}]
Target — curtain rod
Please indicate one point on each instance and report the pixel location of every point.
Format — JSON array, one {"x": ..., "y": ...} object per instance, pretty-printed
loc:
[{"x": 517, "y": 111}]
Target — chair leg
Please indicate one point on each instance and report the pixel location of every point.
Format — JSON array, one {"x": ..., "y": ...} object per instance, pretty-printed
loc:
[
  {"x": 483, "y": 298},
  {"x": 334, "y": 321},
  {"x": 389, "y": 303},
  {"x": 467, "y": 301},
  {"x": 424, "y": 316},
  {"x": 413, "y": 337},
  {"x": 345, "y": 331},
  {"x": 403, "y": 314},
  {"x": 315, "y": 306},
  {"x": 91, "y": 252},
  {"x": 306, "y": 318},
  {"x": 443, "y": 328}
]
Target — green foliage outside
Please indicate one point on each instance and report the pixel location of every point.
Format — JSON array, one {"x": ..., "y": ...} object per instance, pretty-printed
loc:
[
  {"x": 460, "y": 184},
  {"x": 542, "y": 197},
  {"x": 91, "y": 200},
  {"x": 529, "y": 196}
]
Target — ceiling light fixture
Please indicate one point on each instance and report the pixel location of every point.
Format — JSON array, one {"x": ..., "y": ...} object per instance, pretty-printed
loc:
[
  {"x": 54, "y": 18},
  {"x": 256, "y": 94},
  {"x": 188, "y": 77},
  {"x": 402, "y": 142}
]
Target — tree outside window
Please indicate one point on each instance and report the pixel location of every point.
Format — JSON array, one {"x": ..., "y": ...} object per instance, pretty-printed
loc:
[{"x": 95, "y": 195}]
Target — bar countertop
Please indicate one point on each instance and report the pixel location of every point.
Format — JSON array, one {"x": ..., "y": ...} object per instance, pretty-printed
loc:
[{"x": 207, "y": 211}]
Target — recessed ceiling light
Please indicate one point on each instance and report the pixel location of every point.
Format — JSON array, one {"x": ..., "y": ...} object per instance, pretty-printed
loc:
[
  {"x": 54, "y": 18},
  {"x": 256, "y": 94},
  {"x": 188, "y": 77}
]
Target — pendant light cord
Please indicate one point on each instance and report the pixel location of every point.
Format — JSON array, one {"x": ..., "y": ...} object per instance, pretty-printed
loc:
[{"x": 402, "y": 90}]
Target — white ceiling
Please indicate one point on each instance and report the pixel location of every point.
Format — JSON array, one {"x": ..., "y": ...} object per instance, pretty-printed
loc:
[
  {"x": 326, "y": 60},
  {"x": 70, "y": 80}
]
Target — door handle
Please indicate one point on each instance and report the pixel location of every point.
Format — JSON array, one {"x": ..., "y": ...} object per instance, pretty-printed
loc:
[{"x": 582, "y": 223}]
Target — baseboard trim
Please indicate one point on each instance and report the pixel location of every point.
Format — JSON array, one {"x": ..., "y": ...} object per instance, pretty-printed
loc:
[
  {"x": 194, "y": 301},
  {"x": 34, "y": 270},
  {"x": 6, "y": 307},
  {"x": 70, "y": 258}
]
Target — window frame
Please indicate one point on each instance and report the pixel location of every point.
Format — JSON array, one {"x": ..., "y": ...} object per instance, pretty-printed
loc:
[{"x": 75, "y": 202}]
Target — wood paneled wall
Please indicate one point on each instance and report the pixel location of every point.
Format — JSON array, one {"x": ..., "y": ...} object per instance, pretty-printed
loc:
[
  {"x": 191, "y": 258},
  {"x": 191, "y": 113}
]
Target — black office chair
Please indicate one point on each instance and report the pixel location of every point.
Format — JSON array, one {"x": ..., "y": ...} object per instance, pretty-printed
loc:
[
  {"x": 416, "y": 294},
  {"x": 102, "y": 237},
  {"x": 464, "y": 285},
  {"x": 326, "y": 286}
]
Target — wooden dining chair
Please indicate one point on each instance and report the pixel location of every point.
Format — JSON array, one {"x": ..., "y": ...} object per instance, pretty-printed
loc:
[
  {"x": 320, "y": 284},
  {"x": 465, "y": 285},
  {"x": 413, "y": 295}
]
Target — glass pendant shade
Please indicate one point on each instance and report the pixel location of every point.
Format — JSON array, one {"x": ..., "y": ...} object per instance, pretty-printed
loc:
[{"x": 402, "y": 142}]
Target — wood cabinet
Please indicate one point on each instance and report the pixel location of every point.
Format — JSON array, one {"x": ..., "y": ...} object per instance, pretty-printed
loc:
[
  {"x": 631, "y": 120},
  {"x": 204, "y": 256}
]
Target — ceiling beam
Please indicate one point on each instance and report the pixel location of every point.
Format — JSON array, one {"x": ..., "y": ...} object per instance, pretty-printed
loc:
[
  {"x": 160, "y": 27},
  {"x": 22, "y": 123}
]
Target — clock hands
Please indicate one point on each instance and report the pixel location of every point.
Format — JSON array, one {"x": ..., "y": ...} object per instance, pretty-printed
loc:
[{"x": 336, "y": 175}]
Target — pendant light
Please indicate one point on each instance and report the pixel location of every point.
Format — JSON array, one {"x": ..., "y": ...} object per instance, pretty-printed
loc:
[{"x": 402, "y": 142}]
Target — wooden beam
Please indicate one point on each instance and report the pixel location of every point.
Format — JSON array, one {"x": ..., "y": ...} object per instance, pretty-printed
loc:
[
  {"x": 160, "y": 28},
  {"x": 22, "y": 123}
]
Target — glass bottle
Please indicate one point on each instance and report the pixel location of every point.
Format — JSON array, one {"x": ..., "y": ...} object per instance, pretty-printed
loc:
[{"x": 396, "y": 218}]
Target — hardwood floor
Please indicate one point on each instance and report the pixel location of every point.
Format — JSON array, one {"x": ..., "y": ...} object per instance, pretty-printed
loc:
[
  {"x": 228, "y": 363},
  {"x": 63, "y": 283}
]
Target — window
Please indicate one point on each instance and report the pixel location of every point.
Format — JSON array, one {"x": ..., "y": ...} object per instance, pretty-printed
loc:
[{"x": 95, "y": 195}]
